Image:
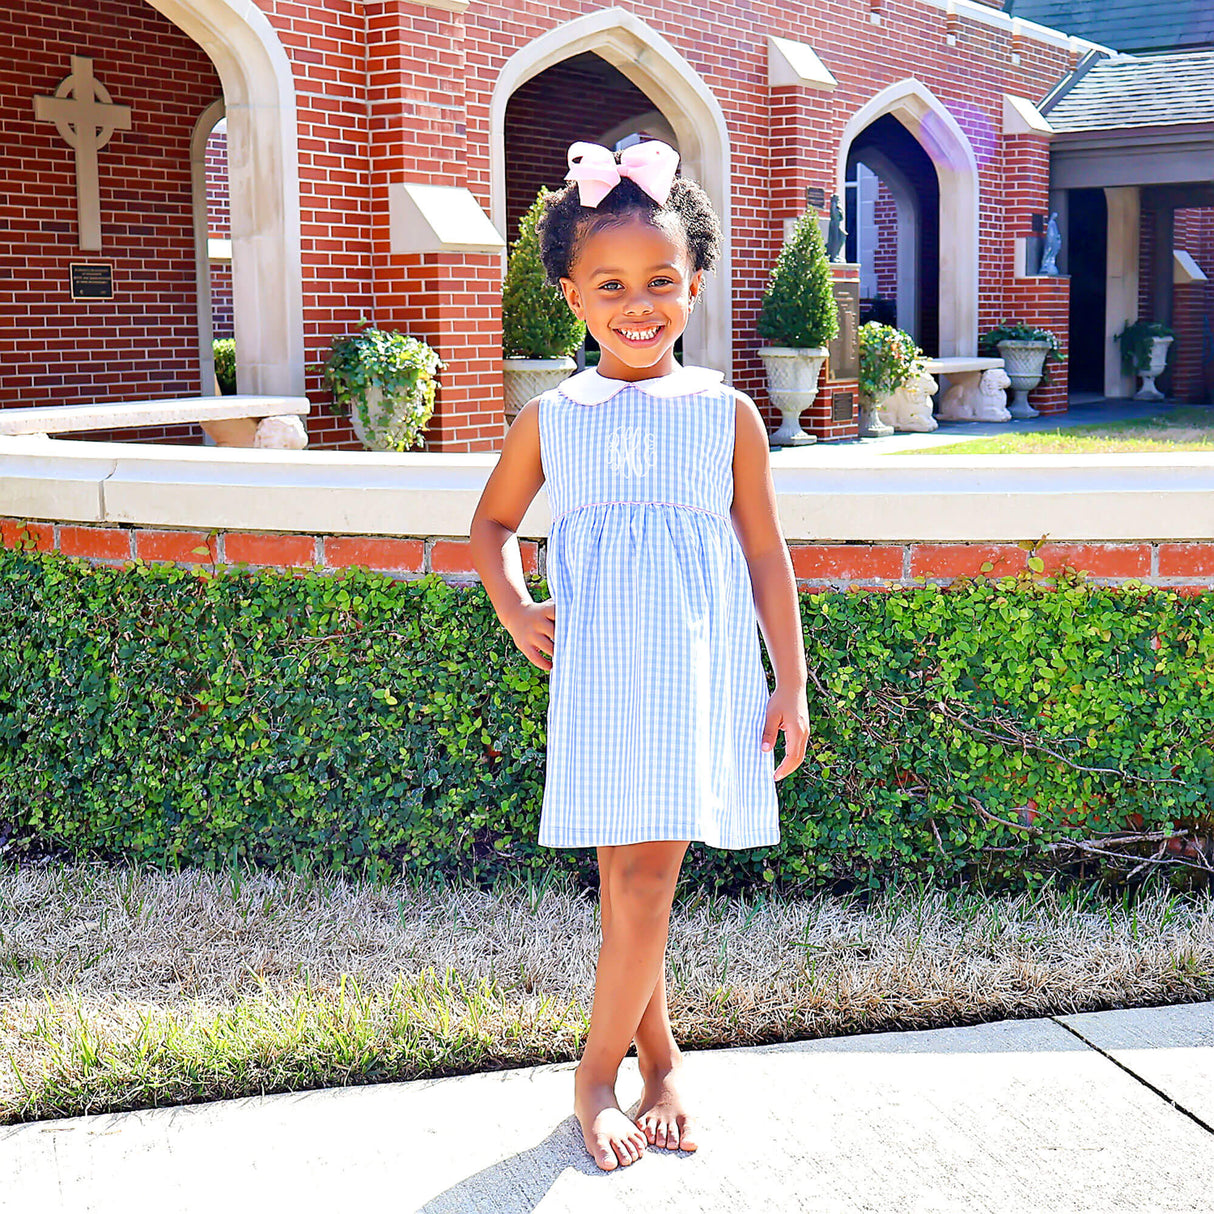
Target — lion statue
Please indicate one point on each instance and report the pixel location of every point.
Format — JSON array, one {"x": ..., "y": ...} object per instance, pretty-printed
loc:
[
  {"x": 984, "y": 401},
  {"x": 910, "y": 406}
]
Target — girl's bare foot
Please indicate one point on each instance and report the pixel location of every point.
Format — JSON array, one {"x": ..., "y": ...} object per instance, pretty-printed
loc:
[
  {"x": 611, "y": 1138},
  {"x": 662, "y": 1115}
]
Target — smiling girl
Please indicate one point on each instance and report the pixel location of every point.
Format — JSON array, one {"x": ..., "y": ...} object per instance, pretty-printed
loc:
[{"x": 663, "y": 553}]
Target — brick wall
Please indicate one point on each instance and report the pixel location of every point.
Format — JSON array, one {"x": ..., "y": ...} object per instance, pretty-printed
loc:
[
  {"x": 219, "y": 227},
  {"x": 394, "y": 91},
  {"x": 143, "y": 343},
  {"x": 1185, "y": 566},
  {"x": 885, "y": 256}
]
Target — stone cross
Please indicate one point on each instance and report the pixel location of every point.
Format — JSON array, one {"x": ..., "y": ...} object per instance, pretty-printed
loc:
[{"x": 86, "y": 124}]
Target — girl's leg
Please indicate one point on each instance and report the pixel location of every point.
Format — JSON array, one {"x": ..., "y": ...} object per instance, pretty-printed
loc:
[
  {"x": 662, "y": 1114},
  {"x": 641, "y": 881}
]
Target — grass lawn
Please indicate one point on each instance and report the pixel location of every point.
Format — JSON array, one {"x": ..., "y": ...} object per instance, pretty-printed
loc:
[
  {"x": 127, "y": 988},
  {"x": 1185, "y": 429}
]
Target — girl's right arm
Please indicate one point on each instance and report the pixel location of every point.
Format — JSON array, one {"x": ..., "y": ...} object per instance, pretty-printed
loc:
[{"x": 512, "y": 485}]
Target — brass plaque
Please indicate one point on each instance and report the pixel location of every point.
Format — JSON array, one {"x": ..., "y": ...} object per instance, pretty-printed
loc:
[
  {"x": 845, "y": 349},
  {"x": 92, "y": 280}
]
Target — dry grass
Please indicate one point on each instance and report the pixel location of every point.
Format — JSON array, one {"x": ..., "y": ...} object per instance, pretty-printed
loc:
[{"x": 124, "y": 988}]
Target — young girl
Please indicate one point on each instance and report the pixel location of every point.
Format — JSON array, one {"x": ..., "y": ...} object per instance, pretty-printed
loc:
[{"x": 664, "y": 545}]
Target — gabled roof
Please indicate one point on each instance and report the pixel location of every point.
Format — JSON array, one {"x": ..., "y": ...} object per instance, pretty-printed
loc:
[
  {"x": 1153, "y": 90},
  {"x": 1125, "y": 25}
]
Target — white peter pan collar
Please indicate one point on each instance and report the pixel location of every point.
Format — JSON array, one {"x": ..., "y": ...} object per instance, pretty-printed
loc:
[{"x": 590, "y": 388}]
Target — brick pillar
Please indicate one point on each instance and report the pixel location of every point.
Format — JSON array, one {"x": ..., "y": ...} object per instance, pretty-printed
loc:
[
  {"x": 1034, "y": 299},
  {"x": 800, "y": 162},
  {"x": 416, "y": 94},
  {"x": 1188, "y": 313}
]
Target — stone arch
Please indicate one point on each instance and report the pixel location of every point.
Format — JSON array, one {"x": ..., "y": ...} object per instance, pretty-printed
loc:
[
  {"x": 914, "y": 105},
  {"x": 259, "y": 102},
  {"x": 641, "y": 54},
  {"x": 206, "y": 123}
]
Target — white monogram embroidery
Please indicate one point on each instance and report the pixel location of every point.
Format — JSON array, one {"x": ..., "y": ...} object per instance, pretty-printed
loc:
[{"x": 630, "y": 451}]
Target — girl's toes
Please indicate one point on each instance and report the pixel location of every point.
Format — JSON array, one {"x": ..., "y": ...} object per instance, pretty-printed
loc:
[
  {"x": 646, "y": 1128},
  {"x": 662, "y": 1138},
  {"x": 687, "y": 1136},
  {"x": 605, "y": 1158}
]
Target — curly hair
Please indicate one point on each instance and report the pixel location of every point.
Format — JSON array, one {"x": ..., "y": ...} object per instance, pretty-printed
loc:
[{"x": 565, "y": 223}]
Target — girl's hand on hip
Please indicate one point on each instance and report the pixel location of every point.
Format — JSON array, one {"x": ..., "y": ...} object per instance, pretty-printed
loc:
[
  {"x": 787, "y": 709},
  {"x": 533, "y": 627}
]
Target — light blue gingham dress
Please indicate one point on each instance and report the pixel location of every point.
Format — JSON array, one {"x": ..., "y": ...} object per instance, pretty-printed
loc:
[{"x": 657, "y": 694}]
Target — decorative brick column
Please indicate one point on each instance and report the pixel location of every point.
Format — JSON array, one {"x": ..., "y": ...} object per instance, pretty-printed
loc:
[
  {"x": 416, "y": 93},
  {"x": 1188, "y": 313},
  {"x": 1034, "y": 299}
]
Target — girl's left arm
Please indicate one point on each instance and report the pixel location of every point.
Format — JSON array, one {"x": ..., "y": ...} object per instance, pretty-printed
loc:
[{"x": 771, "y": 577}]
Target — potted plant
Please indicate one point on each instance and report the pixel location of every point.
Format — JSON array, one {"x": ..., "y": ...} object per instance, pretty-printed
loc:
[
  {"x": 386, "y": 381},
  {"x": 889, "y": 361},
  {"x": 539, "y": 332},
  {"x": 798, "y": 318},
  {"x": 223, "y": 351},
  {"x": 1145, "y": 346},
  {"x": 1024, "y": 350}
]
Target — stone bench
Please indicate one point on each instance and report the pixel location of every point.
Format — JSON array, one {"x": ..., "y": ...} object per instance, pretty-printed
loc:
[
  {"x": 963, "y": 399},
  {"x": 232, "y": 421}
]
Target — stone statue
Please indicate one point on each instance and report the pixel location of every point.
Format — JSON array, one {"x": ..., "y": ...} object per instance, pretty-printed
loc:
[
  {"x": 836, "y": 236},
  {"x": 910, "y": 406},
  {"x": 1053, "y": 245},
  {"x": 977, "y": 400}
]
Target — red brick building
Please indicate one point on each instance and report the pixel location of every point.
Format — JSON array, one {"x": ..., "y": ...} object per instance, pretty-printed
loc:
[{"x": 337, "y": 114}]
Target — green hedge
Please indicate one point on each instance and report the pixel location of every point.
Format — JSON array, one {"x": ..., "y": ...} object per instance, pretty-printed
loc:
[{"x": 192, "y": 716}]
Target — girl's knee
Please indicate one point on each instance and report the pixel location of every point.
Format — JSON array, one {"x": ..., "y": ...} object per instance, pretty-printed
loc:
[{"x": 645, "y": 876}]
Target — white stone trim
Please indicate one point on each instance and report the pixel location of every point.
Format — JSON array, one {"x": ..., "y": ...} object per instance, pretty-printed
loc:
[
  {"x": 438, "y": 219},
  {"x": 263, "y": 186},
  {"x": 641, "y": 54},
  {"x": 851, "y": 495},
  {"x": 796, "y": 65},
  {"x": 1184, "y": 269},
  {"x": 984, "y": 13},
  {"x": 1022, "y": 117},
  {"x": 653, "y": 121},
  {"x": 911, "y": 101},
  {"x": 208, "y": 120}
]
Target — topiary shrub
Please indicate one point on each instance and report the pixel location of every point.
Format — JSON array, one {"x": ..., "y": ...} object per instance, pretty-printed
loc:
[
  {"x": 224, "y": 353},
  {"x": 799, "y": 310},
  {"x": 536, "y": 320}
]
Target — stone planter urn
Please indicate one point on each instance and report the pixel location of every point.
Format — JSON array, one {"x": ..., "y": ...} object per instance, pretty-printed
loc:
[
  {"x": 792, "y": 384},
  {"x": 1024, "y": 362},
  {"x": 385, "y": 431},
  {"x": 524, "y": 378},
  {"x": 1159, "y": 360},
  {"x": 871, "y": 423}
]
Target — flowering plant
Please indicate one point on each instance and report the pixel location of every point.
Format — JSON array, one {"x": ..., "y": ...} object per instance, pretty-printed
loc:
[
  {"x": 889, "y": 358},
  {"x": 1015, "y": 330}
]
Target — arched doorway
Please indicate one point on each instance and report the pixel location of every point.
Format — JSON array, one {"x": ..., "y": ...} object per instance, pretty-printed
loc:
[
  {"x": 897, "y": 245},
  {"x": 906, "y": 130},
  {"x": 259, "y": 103},
  {"x": 648, "y": 72}
]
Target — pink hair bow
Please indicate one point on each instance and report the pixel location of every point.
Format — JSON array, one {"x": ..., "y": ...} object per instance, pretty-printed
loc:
[{"x": 650, "y": 164}]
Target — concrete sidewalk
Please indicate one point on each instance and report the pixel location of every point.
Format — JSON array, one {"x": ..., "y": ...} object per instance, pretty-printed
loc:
[{"x": 1103, "y": 1111}]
